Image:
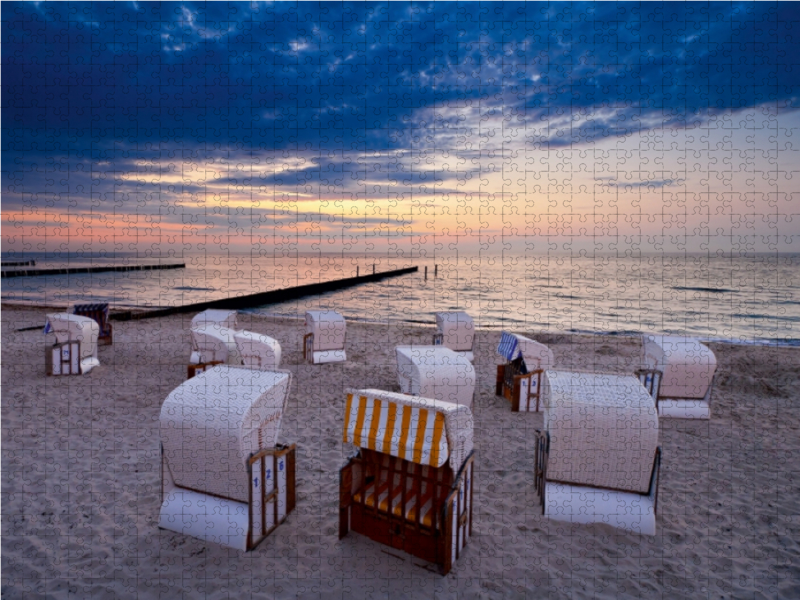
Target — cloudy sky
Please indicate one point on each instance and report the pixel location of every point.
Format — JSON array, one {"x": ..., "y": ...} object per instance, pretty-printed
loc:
[{"x": 401, "y": 127}]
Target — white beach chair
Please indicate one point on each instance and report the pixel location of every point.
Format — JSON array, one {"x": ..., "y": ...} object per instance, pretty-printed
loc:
[
  {"x": 213, "y": 343},
  {"x": 435, "y": 372},
  {"x": 409, "y": 484},
  {"x": 258, "y": 351},
  {"x": 598, "y": 459},
  {"x": 519, "y": 380},
  {"x": 679, "y": 373},
  {"x": 455, "y": 330},
  {"x": 224, "y": 478},
  {"x": 325, "y": 337},
  {"x": 68, "y": 327}
]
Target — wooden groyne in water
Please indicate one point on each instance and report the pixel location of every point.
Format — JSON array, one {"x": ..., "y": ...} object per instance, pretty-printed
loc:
[
  {"x": 271, "y": 297},
  {"x": 81, "y": 270},
  {"x": 20, "y": 263}
]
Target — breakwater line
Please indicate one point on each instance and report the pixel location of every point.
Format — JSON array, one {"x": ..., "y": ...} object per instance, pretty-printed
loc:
[
  {"x": 271, "y": 297},
  {"x": 82, "y": 270}
]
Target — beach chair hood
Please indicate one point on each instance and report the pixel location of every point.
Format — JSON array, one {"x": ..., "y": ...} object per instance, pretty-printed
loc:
[
  {"x": 687, "y": 365},
  {"x": 75, "y": 327},
  {"x": 212, "y": 423},
  {"x": 421, "y": 430},
  {"x": 536, "y": 355},
  {"x": 435, "y": 372},
  {"x": 603, "y": 430},
  {"x": 223, "y": 318},
  {"x": 258, "y": 351},
  {"x": 457, "y": 330},
  {"x": 213, "y": 342},
  {"x": 328, "y": 327}
]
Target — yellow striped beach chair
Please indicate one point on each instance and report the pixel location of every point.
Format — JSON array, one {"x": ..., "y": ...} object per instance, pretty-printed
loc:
[{"x": 409, "y": 483}]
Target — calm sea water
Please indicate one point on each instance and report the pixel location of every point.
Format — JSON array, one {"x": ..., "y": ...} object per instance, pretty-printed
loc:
[{"x": 752, "y": 299}]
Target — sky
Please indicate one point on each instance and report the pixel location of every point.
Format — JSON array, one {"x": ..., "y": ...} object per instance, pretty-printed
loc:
[{"x": 404, "y": 128}]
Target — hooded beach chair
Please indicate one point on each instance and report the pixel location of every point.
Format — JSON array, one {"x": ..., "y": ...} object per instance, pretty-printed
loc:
[
  {"x": 679, "y": 374},
  {"x": 98, "y": 312},
  {"x": 435, "y": 372},
  {"x": 212, "y": 320},
  {"x": 224, "y": 478},
  {"x": 213, "y": 344},
  {"x": 75, "y": 351},
  {"x": 455, "y": 330},
  {"x": 409, "y": 482},
  {"x": 519, "y": 380},
  {"x": 258, "y": 351},
  {"x": 598, "y": 459},
  {"x": 325, "y": 336}
]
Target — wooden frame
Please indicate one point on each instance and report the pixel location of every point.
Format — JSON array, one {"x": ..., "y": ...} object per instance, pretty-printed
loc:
[
  {"x": 63, "y": 358},
  {"x": 516, "y": 386},
  {"x": 437, "y": 535},
  {"x": 269, "y": 503},
  {"x": 308, "y": 345},
  {"x": 193, "y": 370}
]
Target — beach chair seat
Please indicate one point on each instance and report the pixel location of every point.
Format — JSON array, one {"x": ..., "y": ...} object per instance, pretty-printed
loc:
[
  {"x": 519, "y": 380},
  {"x": 213, "y": 342},
  {"x": 225, "y": 478},
  {"x": 98, "y": 312},
  {"x": 435, "y": 372},
  {"x": 409, "y": 481},
  {"x": 258, "y": 351},
  {"x": 68, "y": 327},
  {"x": 456, "y": 330},
  {"x": 598, "y": 459},
  {"x": 679, "y": 374},
  {"x": 325, "y": 337}
]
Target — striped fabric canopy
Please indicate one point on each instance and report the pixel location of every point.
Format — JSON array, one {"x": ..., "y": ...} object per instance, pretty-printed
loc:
[
  {"x": 420, "y": 430},
  {"x": 509, "y": 346}
]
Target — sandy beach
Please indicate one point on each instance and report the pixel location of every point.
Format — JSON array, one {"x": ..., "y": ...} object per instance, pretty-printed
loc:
[{"x": 81, "y": 487}]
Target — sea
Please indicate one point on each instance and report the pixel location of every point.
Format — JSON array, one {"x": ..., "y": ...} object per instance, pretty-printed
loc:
[{"x": 750, "y": 299}]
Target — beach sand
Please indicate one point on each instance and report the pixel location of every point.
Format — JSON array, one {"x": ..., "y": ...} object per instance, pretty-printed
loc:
[{"x": 81, "y": 487}]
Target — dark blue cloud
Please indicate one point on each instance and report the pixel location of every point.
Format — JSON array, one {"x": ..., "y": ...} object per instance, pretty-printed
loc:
[{"x": 81, "y": 76}]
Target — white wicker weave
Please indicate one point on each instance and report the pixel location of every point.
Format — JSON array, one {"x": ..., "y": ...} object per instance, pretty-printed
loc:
[
  {"x": 457, "y": 330},
  {"x": 258, "y": 351},
  {"x": 212, "y": 342},
  {"x": 68, "y": 327},
  {"x": 435, "y": 372},
  {"x": 223, "y": 318},
  {"x": 212, "y": 423},
  {"x": 328, "y": 327},
  {"x": 687, "y": 365},
  {"x": 603, "y": 430}
]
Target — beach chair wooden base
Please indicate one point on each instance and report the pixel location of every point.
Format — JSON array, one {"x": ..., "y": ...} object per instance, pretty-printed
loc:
[
  {"x": 574, "y": 503},
  {"x": 522, "y": 390},
  {"x": 63, "y": 358},
  {"x": 106, "y": 338},
  {"x": 228, "y": 521},
  {"x": 381, "y": 495},
  {"x": 193, "y": 370}
]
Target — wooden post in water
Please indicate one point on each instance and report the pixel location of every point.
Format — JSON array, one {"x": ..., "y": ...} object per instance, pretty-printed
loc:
[
  {"x": 373, "y": 268},
  {"x": 356, "y": 271},
  {"x": 435, "y": 271},
  {"x": 426, "y": 273}
]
